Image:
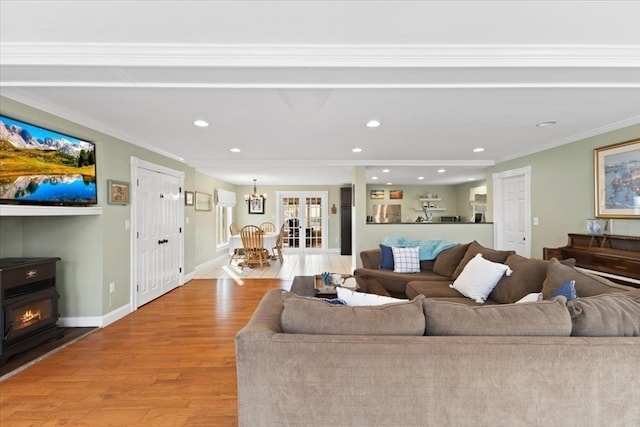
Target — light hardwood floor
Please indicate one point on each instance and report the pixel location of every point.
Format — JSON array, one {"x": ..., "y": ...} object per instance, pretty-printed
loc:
[{"x": 170, "y": 363}]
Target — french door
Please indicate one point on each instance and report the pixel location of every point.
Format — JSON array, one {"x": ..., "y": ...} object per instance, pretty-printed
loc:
[{"x": 304, "y": 215}]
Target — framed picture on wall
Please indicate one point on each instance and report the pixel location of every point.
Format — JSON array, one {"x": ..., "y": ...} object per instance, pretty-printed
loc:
[
  {"x": 118, "y": 192},
  {"x": 395, "y": 194},
  {"x": 203, "y": 201},
  {"x": 617, "y": 176},
  {"x": 376, "y": 194},
  {"x": 256, "y": 205},
  {"x": 188, "y": 198}
]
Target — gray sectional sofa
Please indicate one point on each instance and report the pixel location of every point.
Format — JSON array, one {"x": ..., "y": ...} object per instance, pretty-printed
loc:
[
  {"x": 302, "y": 362},
  {"x": 444, "y": 360}
]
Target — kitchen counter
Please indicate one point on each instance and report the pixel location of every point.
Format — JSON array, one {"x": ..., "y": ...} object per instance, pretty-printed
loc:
[{"x": 428, "y": 223}]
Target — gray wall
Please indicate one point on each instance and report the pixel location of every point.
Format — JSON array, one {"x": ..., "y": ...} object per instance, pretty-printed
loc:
[
  {"x": 96, "y": 249},
  {"x": 562, "y": 187}
]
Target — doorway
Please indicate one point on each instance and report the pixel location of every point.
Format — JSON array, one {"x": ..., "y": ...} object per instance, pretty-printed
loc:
[
  {"x": 157, "y": 219},
  {"x": 304, "y": 216},
  {"x": 512, "y": 210}
]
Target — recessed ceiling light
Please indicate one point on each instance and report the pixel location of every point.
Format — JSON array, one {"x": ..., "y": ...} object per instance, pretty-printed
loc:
[
  {"x": 478, "y": 150},
  {"x": 201, "y": 123},
  {"x": 442, "y": 170},
  {"x": 549, "y": 123},
  {"x": 235, "y": 150},
  {"x": 389, "y": 183},
  {"x": 374, "y": 177},
  {"x": 421, "y": 177},
  {"x": 385, "y": 170},
  {"x": 357, "y": 150},
  {"x": 471, "y": 179},
  {"x": 373, "y": 124}
]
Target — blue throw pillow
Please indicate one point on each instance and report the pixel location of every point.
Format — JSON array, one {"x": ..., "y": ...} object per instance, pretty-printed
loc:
[
  {"x": 386, "y": 258},
  {"x": 567, "y": 290}
]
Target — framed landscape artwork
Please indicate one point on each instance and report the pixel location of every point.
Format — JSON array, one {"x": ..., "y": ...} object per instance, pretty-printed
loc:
[
  {"x": 617, "y": 176},
  {"x": 376, "y": 194}
]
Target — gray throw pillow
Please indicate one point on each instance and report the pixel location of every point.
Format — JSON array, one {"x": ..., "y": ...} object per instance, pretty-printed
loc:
[
  {"x": 447, "y": 261},
  {"x": 606, "y": 315},
  {"x": 307, "y": 316},
  {"x": 544, "y": 318},
  {"x": 474, "y": 248},
  {"x": 527, "y": 277}
]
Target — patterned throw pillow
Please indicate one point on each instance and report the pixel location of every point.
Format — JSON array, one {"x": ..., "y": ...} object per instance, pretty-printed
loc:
[{"x": 406, "y": 260}]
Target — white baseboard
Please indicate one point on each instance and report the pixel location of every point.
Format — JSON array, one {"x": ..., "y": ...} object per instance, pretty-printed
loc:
[{"x": 95, "y": 321}]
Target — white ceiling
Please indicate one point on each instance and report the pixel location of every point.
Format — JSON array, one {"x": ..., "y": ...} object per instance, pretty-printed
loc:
[{"x": 292, "y": 83}]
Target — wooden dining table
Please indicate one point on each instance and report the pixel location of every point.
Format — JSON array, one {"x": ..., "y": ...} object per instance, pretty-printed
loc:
[{"x": 269, "y": 241}]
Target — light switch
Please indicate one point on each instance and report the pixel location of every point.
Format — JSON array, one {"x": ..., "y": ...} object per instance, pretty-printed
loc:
[
  {"x": 536, "y": 221},
  {"x": 127, "y": 224}
]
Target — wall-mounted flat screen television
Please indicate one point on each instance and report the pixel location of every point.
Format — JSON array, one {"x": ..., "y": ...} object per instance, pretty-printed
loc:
[{"x": 39, "y": 166}]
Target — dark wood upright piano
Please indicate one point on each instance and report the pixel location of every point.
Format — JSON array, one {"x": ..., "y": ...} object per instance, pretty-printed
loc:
[{"x": 612, "y": 256}]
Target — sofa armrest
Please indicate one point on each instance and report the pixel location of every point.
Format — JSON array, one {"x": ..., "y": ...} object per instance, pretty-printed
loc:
[
  {"x": 266, "y": 317},
  {"x": 370, "y": 258}
]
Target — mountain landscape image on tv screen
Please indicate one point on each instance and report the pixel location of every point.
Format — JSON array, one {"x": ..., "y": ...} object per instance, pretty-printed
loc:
[{"x": 41, "y": 167}]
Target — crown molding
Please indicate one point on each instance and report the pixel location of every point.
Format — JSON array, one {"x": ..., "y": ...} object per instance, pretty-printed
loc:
[{"x": 252, "y": 55}]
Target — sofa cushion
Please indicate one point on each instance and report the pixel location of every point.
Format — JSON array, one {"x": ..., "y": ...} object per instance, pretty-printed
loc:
[
  {"x": 606, "y": 315},
  {"x": 544, "y": 318},
  {"x": 386, "y": 258},
  {"x": 479, "y": 277},
  {"x": 586, "y": 284},
  {"x": 487, "y": 253},
  {"x": 406, "y": 260},
  {"x": 431, "y": 289},
  {"x": 305, "y": 316},
  {"x": 447, "y": 261},
  {"x": 527, "y": 277},
  {"x": 353, "y": 298}
]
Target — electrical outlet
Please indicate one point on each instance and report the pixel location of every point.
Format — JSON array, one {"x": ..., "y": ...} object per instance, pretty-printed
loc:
[
  {"x": 112, "y": 287},
  {"x": 112, "y": 300}
]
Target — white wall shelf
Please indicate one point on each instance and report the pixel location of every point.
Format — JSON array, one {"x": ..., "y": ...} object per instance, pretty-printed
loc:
[
  {"x": 431, "y": 209},
  {"x": 429, "y": 200},
  {"x": 24, "y": 210}
]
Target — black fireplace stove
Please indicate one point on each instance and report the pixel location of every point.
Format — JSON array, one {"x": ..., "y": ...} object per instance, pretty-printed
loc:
[{"x": 29, "y": 302}]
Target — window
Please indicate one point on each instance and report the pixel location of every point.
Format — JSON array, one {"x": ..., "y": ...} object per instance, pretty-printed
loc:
[{"x": 223, "y": 215}]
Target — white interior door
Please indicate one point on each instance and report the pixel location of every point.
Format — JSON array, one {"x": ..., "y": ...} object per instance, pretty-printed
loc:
[
  {"x": 512, "y": 211},
  {"x": 304, "y": 215},
  {"x": 158, "y": 234}
]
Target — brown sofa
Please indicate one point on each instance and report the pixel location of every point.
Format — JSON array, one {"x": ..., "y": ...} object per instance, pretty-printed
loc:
[
  {"x": 302, "y": 362},
  {"x": 439, "y": 272}
]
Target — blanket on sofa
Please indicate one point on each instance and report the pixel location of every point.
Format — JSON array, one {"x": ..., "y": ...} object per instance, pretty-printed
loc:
[{"x": 429, "y": 249}]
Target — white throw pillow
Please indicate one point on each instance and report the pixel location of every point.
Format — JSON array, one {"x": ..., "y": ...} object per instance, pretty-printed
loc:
[
  {"x": 360, "y": 298},
  {"x": 479, "y": 277},
  {"x": 406, "y": 260}
]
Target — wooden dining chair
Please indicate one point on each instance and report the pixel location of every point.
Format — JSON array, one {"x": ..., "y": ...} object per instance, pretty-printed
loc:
[
  {"x": 268, "y": 227},
  {"x": 277, "y": 249},
  {"x": 253, "y": 243},
  {"x": 238, "y": 253}
]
